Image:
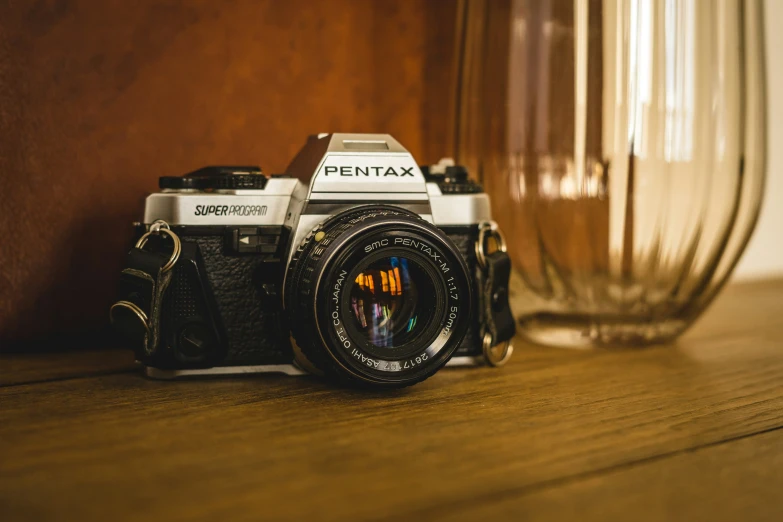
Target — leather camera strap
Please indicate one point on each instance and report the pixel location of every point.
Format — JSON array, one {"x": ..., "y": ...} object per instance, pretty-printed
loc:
[{"x": 143, "y": 283}]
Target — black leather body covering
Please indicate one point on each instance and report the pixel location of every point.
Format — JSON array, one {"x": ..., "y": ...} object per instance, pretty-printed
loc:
[
  {"x": 246, "y": 305},
  {"x": 465, "y": 237},
  {"x": 253, "y": 326},
  {"x": 242, "y": 300}
]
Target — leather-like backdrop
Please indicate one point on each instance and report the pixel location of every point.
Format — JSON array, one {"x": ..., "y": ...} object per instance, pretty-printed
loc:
[{"x": 97, "y": 99}]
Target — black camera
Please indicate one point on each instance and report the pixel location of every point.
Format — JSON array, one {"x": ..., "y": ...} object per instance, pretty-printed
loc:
[{"x": 379, "y": 272}]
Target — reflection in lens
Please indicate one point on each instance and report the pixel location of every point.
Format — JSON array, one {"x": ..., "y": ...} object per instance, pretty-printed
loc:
[{"x": 393, "y": 301}]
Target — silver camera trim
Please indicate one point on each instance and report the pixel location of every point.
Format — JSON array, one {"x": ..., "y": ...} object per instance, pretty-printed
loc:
[
  {"x": 284, "y": 201},
  {"x": 327, "y": 150},
  {"x": 286, "y": 369}
]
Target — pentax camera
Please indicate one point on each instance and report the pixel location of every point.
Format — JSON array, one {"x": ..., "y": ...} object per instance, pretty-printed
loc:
[{"x": 356, "y": 264}]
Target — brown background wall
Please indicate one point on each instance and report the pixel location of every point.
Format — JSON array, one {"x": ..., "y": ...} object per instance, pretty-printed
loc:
[{"x": 97, "y": 99}]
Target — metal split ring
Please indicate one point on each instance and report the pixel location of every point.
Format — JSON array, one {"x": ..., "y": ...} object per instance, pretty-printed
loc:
[
  {"x": 161, "y": 227},
  {"x": 133, "y": 308},
  {"x": 488, "y": 230},
  {"x": 491, "y": 357}
]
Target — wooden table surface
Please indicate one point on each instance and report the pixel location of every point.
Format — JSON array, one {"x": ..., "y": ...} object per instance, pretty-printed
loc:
[{"x": 689, "y": 431}]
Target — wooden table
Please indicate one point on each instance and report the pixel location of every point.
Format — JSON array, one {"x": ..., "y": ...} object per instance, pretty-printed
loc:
[{"x": 690, "y": 431}]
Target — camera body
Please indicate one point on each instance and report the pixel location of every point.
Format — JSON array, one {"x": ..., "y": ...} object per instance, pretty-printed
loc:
[{"x": 251, "y": 288}]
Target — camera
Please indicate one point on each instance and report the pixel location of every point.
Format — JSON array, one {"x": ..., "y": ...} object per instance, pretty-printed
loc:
[{"x": 356, "y": 264}]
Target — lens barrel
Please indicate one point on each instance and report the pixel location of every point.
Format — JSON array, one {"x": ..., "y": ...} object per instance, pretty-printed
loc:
[{"x": 377, "y": 296}]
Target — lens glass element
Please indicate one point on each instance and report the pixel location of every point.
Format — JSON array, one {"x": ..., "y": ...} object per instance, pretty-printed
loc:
[{"x": 392, "y": 301}]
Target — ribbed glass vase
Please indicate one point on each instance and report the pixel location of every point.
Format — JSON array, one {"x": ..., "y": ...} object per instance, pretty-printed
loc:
[{"x": 622, "y": 143}]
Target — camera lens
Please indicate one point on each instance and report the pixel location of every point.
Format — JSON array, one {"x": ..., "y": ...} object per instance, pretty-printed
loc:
[
  {"x": 378, "y": 296},
  {"x": 392, "y": 302}
]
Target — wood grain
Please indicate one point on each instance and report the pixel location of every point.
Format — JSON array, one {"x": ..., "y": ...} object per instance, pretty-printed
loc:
[
  {"x": 39, "y": 367},
  {"x": 739, "y": 480},
  {"x": 464, "y": 442}
]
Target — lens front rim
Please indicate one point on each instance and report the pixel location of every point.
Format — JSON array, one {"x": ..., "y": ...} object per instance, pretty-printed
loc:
[{"x": 359, "y": 361}]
